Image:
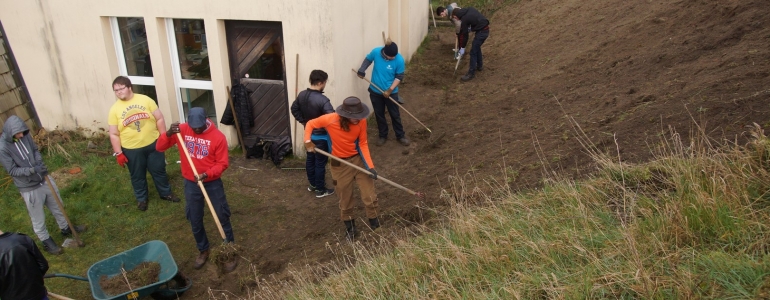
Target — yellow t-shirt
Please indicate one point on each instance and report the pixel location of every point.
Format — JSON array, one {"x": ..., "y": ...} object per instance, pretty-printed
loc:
[{"x": 135, "y": 121}]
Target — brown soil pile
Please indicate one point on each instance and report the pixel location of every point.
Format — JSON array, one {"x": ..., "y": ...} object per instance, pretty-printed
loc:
[{"x": 143, "y": 274}]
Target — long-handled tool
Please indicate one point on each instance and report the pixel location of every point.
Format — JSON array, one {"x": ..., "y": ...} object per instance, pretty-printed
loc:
[
  {"x": 457, "y": 65},
  {"x": 418, "y": 194},
  {"x": 203, "y": 189},
  {"x": 235, "y": 119},
  {"x": 296, "y": 88},
  {"x": 431, "y": 14},
  {"x": 61, "y": 207},
  {"x": 394, "y": 101}
]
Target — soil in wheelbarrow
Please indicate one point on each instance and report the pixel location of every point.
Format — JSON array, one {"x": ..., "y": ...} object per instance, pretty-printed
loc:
[{"x": 144, "y": 274}]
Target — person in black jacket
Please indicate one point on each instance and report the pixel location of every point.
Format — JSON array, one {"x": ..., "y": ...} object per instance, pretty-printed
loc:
[
  {"x": 311, "y": 104},
  {"x": 22, "y": 267},
  {"x": 471, "y": 19}
]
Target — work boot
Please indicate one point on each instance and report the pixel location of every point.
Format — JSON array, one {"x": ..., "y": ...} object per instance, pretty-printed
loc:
[
  {"x": 142, "y": 206},
  {"x": 78, "y": 228},
  {"x": 381, "y": 141},
  {"x": 468, "y": 76},
  {"x": 201, "y": 259},
  {"x": 350, "y": 230},
  {"x": 479, "y": 69},
  {"x": 324, "y": 192},
  {"x": 230, "y": 265},
  {"x": 171, "y": 198},
  {"x": 404, "y": 141},
  {"x": 374, "y": 223},
  {"x": 50, "y": 246}
]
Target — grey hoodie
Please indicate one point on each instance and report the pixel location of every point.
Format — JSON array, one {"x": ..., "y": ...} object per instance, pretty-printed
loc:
[{"x": 20, "y": 156}]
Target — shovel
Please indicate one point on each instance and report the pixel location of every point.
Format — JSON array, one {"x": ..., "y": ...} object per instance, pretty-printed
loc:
[
  {"x": 418, "y": 194},
  {"x": 69, "y": 243},
  {"x": 394, "y": 101},
  {"x": 203, "y": 189}
]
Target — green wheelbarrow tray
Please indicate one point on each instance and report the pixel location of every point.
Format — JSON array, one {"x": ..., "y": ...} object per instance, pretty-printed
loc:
[{"x": 170, "y": 284}]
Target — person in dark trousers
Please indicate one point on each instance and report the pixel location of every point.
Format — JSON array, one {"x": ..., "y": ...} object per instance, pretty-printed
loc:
[
  {"x": 207, "y": 147},
  {"x": 387, "y": 74},
  {"x": 135, "y": 123},
  {"x": 22, "y": 160},
  {"x": 471, "y": 19},
  {"x": 311, "y": 104},
  {"x": 347, "y": 129},
  {"x": 22, "y": 268}
]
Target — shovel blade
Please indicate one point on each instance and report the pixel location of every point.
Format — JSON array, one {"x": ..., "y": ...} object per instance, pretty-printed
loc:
[{"x": 71, "y": 243}]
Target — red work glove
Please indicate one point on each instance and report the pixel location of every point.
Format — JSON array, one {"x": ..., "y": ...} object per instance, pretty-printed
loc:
[{"x": 122, "y": 159}]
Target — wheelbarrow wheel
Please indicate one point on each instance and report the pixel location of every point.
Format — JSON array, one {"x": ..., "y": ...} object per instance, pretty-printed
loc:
[{"x": 174, "y": 288}]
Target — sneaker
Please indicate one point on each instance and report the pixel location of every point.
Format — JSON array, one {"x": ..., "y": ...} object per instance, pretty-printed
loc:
[
  {"x": 142, "y": 206},
  {"x": 324, "y": 193},
  {"x": 467, "y": 77},
  {"x": 78, "y": 228},
  {"x": 310, "y": 188},
  {"x": 171, "y": 198},
  {"x": 50, "y": 246},
  {"x": 479, "y": 69},
  {"x": 404, "y": 141},
  {"x": 381, "y": 141}
]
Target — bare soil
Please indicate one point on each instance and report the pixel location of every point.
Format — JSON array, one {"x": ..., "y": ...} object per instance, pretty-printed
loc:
[{"x": 627, "y": 72}]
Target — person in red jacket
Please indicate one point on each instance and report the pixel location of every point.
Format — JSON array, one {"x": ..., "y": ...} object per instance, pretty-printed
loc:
[
  {"x": 207, "y": 147},
  {"x": 347, "y": 129}
]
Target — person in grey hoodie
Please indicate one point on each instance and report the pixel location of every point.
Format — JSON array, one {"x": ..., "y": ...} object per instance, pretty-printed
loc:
[{"x": 22, "y": 160}]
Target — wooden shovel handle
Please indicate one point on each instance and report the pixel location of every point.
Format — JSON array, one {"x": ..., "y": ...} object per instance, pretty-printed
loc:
[
  {"x": 394, "y": 101},
  {"x": 200, "y": 184},
  {"x": 365, "y": 171},
  {"x": 61, "y": 207}
]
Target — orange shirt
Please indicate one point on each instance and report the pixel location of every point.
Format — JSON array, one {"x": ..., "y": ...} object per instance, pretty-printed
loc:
[{"x": 343, "y": 142}]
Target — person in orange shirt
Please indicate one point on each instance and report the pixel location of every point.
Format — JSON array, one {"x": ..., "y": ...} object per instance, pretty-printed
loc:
[{"x": 347, "y": 130}]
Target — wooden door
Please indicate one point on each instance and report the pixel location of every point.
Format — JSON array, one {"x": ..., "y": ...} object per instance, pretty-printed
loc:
[{"x": 256, "y": 48}]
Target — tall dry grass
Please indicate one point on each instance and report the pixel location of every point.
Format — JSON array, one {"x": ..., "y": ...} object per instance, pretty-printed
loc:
[{"x": 689, "y": 224}]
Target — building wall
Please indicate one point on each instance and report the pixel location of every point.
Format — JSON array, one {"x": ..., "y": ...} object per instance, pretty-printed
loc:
[{"x": 66, "y": 52}]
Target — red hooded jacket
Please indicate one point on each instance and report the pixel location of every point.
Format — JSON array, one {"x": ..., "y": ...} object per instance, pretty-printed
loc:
[{"x": 208, "y": 151}]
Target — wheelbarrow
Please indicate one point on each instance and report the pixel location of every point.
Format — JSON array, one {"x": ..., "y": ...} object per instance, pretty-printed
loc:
[{"x": 171, "y": 283}]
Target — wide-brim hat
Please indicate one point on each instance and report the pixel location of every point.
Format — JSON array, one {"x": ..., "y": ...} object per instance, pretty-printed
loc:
[{"x": 352, "y": 108}]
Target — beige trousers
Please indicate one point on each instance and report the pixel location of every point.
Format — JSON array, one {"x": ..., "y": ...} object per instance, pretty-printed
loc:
[{"x": 344, "y": 176}]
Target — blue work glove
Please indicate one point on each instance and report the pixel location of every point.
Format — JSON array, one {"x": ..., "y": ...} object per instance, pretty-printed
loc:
[
  {"x": 460, "y": 53},
  {"x": 374, "y": 174}
]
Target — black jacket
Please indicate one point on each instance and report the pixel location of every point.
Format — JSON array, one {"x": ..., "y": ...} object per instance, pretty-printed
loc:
[
  {"x": 22, "y": 267},
  {"x": 242, "y": 105},
  {"x": 469, "y": 17},
  {"x": 311, "y": 104}
]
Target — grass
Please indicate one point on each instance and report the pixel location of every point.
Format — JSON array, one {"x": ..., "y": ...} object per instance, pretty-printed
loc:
[
  {"x": 102, "y": 197},
  {"x": 689, "y": 224}
]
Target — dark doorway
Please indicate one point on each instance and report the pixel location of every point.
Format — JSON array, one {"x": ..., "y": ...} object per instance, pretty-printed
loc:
[{"x": 256, "y": 49}]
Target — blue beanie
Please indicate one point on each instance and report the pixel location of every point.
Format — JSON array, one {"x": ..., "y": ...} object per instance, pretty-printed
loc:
[{"x": 196, "y": 118}]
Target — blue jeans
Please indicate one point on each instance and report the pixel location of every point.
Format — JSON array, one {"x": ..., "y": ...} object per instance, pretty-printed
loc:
[
  {"x": 379, "y": 103},
  {"x": 194, "y": 209},
  {"x": 145, "y": 159},
  {"x": 315, "y": 165},
  {"x": 476, "y": 58}
]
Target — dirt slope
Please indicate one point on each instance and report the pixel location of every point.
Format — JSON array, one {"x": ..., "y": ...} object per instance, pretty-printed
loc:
[{"x": 625, "y": 68}]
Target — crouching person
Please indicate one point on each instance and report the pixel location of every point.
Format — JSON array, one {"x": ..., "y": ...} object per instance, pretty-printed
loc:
[{"x": 207, "y": 148}]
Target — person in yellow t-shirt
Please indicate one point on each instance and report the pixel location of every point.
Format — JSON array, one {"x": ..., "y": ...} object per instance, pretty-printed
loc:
[{"x": 135, "y": 125}]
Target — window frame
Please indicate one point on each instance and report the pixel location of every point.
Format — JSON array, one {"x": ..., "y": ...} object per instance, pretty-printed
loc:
[
  {"x": 119, "y": 51},
  {"x": 179, "y": 82}
]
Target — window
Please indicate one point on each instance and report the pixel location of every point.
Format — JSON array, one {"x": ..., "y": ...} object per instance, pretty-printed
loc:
[
  {"x": 192, "y": 76},
  {"x": 130, "y": 38}
]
